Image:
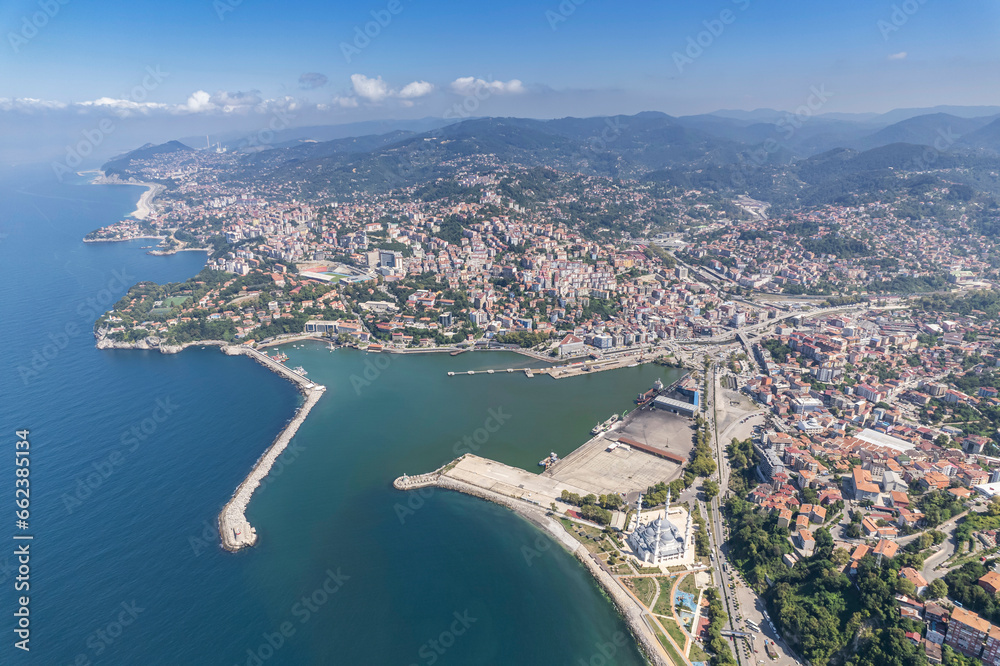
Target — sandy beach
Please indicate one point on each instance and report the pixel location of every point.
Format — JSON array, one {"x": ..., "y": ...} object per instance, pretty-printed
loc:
[{"x": 144, "y": 207}]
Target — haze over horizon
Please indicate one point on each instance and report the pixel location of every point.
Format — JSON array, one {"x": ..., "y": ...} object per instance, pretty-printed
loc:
[{"x": 337, "y": 63}]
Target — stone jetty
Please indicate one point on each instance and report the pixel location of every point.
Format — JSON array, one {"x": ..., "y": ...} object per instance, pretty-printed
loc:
[{"x": 234, "y": 528}]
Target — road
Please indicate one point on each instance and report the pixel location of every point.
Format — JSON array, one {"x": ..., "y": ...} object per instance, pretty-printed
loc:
[{"x": 742, "y": 603}]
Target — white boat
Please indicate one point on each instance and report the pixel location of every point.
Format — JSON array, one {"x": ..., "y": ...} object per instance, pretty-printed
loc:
[{"x": 300, "y": 370}]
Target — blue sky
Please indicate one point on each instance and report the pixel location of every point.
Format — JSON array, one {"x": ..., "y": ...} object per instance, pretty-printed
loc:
[
  {"x": 520, "y": 57},
  {"x": 601, "y": 55}
]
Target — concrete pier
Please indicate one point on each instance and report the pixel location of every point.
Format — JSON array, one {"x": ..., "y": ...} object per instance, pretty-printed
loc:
[{"x": 304, "y": 384}]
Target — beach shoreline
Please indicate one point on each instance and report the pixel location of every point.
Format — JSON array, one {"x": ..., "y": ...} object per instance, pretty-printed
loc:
[
  {"x": 144, "y": 206},
  {"x": 625, "y": 604}
]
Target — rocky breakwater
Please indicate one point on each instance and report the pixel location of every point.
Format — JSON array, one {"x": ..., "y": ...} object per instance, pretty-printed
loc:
[{"x": 234, "y": 529}]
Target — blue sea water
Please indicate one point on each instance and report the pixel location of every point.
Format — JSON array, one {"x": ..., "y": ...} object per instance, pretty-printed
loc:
[{"x": 134, "y": 453}]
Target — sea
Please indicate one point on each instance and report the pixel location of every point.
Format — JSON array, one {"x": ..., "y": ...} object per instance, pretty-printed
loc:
[{"x": 133, "y": 453}]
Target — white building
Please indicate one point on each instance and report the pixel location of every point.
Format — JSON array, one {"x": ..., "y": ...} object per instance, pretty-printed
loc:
[{"x": 665, "y": 539}]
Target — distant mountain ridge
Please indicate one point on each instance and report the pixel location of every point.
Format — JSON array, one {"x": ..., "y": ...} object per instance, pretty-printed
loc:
[
  {"x": 120, "y": 163},
  {"x": 792, "y": 158}
]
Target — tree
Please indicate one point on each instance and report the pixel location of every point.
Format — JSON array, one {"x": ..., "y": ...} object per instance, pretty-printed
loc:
[
  {"x": 905, "y": 586},
  {"x": 824, "y": 544},
  {"x": 854, "y": 530},
  {"x": 937, "y": 589},
  {"x": 711, "y": 489}
]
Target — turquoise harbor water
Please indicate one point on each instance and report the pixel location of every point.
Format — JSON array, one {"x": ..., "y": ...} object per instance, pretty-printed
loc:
[{"x": 134, "y": 453}]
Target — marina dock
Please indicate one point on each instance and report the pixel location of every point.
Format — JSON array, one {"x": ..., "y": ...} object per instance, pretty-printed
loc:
[
  {"x": 528, "y": 372},
  {"x": 574, "y": 369}
]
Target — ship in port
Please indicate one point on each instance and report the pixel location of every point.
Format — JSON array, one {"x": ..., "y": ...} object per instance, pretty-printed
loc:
[
  {"x": 280, "y": 357},
  {"x": 300, "y": 370},
  {"x": 606, "y": 426},
  {"x": 647, "y": 397},
  {"x": 552, "y": 459}
]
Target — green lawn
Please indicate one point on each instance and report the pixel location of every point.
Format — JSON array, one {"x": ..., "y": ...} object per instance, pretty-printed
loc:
[
  {"x": 580, "y": 532},
  {"x": 687, "y": 585},
  {"x": 671, "y": 651},
  {"x": 664, "y": 604},
  {"x": 696, "y": 653},
  {"x": 174, "y": 301},
  {"x": 645, "y": 589},
  {"x": 675, "y": 632}
]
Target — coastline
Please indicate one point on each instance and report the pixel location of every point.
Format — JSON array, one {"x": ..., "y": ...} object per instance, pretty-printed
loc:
[
  {"x": 144, "y": 206},
  {"x": 627, "y": 606},
  {"x": 235, "y": 531},
  {"x": 122, "y": 240}
]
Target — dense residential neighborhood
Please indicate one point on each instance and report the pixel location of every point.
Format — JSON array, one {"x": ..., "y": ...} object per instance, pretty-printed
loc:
[{"x": 864, "y": 334}]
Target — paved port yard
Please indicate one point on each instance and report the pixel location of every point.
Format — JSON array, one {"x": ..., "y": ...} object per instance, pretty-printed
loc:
[
  {"x": 601, "y": 471},
  {"x": 659, "y": 429},
  {"x": 510, "y": 481},
  {"x": 619, "y": 471},
  {"x": 592, "y": 468}
]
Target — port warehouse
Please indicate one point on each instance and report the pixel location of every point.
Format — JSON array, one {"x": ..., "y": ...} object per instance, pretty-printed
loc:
[
  {"x": 677, "y": 406},
  {"x": 652, "y": 450}
]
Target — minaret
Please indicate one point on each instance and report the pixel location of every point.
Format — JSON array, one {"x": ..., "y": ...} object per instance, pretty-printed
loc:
[{"x": 656, "y": 553}]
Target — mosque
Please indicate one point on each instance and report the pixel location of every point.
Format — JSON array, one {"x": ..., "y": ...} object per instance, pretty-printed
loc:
[{"x": 665, "y": 539}]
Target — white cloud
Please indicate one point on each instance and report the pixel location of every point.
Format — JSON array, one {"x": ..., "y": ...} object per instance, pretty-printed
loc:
[
  {"x": 376, "y": 90},
  {"x": 364, "y": 90},
  {"x": 372, "y": 90},
  {"x": 124, "y": 108},
  {"x": 199, "y": 101},
  {"x": 469, "y": 85},
  {"x": 236, "y": 101},
  {"x": 29, "y": 104},
  {"x": 416, "y": 89},
  {"x": 898, "y": 56}
]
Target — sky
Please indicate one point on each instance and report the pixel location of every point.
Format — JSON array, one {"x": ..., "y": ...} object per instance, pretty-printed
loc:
[{"x": 195, "y": 66}]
